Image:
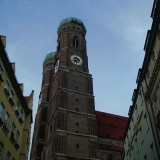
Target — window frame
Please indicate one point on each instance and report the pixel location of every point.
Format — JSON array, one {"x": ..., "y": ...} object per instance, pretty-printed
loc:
[
  {"x": 1, "y": 69},
  {"x": 1, "y": 150},
  {"x": 75, "y": 42},
  {"x": 7, "y": 85},
  {"x": 17, "y": 136},
  {"x": 2, "y": 111},
  {"x": 8, "y": 157},
  {"x": 6, "y": 120}
]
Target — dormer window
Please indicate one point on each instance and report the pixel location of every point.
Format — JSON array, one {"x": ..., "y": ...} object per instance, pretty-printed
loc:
[{"x": 75, "y": 42}]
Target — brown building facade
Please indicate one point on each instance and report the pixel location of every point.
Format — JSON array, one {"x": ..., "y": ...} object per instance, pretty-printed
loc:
[{"x": 66, "y": 121}]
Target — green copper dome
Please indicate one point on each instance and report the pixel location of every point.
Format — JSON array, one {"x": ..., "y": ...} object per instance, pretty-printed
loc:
[
  {"x": 49, "y": 56},
  {"x": 69, "y": 20}
]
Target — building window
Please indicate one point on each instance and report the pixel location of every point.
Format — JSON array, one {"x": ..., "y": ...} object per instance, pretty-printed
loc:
[
  {"x": 12, "y": 94},
  {"x": 157, "y": 104},
  {"x": 17, "y": 109},
  {"x": 154, "y": 56},
  {"x": 141, "y": 134},
  {"x": 11, "y": 97},
  {"x": 1, "y": 70},
  {"x": 6, "y": 120},
  {"x": 136, "y": 143},
  {"x": 17, "y": 136},
  {"x": 21, "y": 116},
  {"x": 1, "y": 150},
  {"x": 1, "y": 73},
  {"x": 158, "y": 34},
  {"x": 153, "y": 151},
  {"x": 77, "y": 145},
  {"x": 147, "y": 121},
  {"x": 110, "y": 157},
  {"x": 8, "y": 156},
  {"x": 51, "y": 128},
  {"x": 7, "y": 88},
  {"x": 21, "y": 113},
  {"x": 1, "y": 110},
  {"x": 145, "y": 157},
  {"x": 12, "y": 137},
  {"x": 6, "y": 123},
  {"x": 75, "y": 42},
  {"x": 13, "y": 128},
  {"x": 148, "y": 73},
  {"x": 136, "y": 109},
  {"x": 142, "y": 97}
]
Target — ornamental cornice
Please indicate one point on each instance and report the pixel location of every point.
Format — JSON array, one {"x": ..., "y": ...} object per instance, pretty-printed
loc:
[
  {"x": 153, "y": 78},
  {"x": 110, "y": 142}
]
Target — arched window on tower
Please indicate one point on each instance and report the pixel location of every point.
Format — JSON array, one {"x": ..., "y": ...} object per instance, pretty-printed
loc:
[
  {"x": 75, "y": 41},
  {"x": 58, "y": 48},
  {"x": 110, "y": 157}
]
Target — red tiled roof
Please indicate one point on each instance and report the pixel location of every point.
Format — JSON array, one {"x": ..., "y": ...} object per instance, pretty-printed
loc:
[
  {"x": 113, "y": 148},
  {"x": 111, "y": 126}
]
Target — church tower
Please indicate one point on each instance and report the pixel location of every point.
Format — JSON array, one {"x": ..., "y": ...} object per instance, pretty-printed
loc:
[{"x": 65, "y": 125}]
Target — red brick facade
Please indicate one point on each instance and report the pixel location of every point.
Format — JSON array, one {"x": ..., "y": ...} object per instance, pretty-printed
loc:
[{"x": 66, "y": 121}]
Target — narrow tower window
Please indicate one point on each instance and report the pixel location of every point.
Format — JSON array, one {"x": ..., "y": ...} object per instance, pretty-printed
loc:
[
  {"x": 58, "y": 48},
  {"x": 77, "y": 145},
  {"x": 75, "y": 42},
  {"x": 51, "y": 128},
  {"x": 110, "y": 157}
]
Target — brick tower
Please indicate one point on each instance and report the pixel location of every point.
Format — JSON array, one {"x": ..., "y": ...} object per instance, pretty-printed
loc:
[{"x": 65, "y": 126}]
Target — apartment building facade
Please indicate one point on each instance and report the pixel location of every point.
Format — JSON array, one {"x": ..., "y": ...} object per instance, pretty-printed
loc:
[
  {"x": 144, "y": 114},
  {"x": 15, "y": 111}
]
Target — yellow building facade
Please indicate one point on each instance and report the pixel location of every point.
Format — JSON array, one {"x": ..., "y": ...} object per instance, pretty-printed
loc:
[{"x": 15, "y": 111}]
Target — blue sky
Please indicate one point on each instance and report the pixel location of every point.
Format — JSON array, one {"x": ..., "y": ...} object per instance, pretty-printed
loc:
[{"x": 116, "y": 32}]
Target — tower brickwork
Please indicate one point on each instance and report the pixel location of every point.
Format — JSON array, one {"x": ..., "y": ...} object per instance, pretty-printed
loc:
[{"x": 67, "y": 127}]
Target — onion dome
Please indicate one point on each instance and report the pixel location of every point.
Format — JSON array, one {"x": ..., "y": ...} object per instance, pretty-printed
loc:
[
  {"x": 49, "y": 57},
  {"x": 71, "y": 20}
]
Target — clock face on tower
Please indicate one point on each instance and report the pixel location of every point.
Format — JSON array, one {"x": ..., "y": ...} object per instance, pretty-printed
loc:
[
  {"x": 56, "y": 66},
  {"x": 76, "y": 60}
]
